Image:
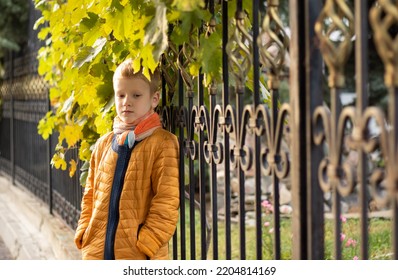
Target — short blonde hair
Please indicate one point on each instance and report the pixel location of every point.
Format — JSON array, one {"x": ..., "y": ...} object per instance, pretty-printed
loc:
[{"x": 125, "y": 70}]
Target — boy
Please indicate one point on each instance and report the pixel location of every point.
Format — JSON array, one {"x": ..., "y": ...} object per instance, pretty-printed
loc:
[{"x": 131, "y": 198}]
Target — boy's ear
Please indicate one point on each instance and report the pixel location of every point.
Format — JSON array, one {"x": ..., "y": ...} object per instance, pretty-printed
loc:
[{"x": 155, "y": 99}]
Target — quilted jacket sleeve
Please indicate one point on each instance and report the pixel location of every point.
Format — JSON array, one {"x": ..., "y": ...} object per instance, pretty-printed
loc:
[
  {"x": 162, "y": 218},
  {"x": 87, "y": 202}
]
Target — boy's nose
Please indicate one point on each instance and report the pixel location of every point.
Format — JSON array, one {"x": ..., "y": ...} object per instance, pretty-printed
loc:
[{"x": 127, "y": 101}]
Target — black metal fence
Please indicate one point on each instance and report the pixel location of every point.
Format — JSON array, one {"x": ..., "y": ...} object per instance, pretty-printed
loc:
[
  {"x": 295, "y": 156},
  {"x": 24, "y": 155}
]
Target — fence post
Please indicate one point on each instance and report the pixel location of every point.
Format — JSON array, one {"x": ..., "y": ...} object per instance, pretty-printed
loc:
[
  {"x": 298, "y": 154},
  {"x": 313, "y": 98},
  {"x": 306, "y": 94},
  {"x": 12, "y": 154},
  {"x": 49, "y": 175}
]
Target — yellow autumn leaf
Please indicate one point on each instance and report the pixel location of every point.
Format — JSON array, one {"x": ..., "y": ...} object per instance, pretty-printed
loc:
[
  {"x": 71, "y": 133},
  {"x": 46, "y": 125},
  {"x": 58, "y": 161},
  {"x": 84, "y": 151},
  {"x": 72, "y": 167},
  {"x": 43, "y": 33},
  {"x": 92, "y": 35},
  {"x": 194, "y": 69},
  {"x": 103, "y": 124}
]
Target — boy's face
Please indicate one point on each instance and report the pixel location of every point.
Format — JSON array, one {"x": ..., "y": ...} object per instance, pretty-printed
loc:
[{"x": 133, "y": 98}]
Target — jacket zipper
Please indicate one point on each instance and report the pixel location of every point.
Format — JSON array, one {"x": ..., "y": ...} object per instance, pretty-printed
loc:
[{"x": 124, "y": 154}]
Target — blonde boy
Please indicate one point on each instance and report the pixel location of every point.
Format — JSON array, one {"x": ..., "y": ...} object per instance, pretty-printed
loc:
[{"x": 131, "y": 198}]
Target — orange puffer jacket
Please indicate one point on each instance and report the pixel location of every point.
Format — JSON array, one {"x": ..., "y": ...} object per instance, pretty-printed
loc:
[{"x": 148, "y": 204}]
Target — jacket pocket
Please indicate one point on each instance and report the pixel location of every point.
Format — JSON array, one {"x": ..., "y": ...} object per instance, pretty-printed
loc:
[
  {"x": 138, "y": 232},
  {"x": 86, "y": 236},
  {"x": 139, "y": 229}
]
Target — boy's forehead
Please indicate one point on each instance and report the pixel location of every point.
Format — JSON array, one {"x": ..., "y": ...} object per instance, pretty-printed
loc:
[
  {"x": 128, "y": 81},
  {"x": 124, "y": 79}
]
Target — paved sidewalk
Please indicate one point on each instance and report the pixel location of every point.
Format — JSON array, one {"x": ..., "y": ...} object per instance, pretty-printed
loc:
[
  {"x": 29, "y": 231},
  {"x": 4, "y": 252}
]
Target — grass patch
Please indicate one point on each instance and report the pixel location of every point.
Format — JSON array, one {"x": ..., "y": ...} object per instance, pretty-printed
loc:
[{"x": 379, "y": 229}]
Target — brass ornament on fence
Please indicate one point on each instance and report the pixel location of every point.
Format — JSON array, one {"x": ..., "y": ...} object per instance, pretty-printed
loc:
[
  {"x": 382, "y": 17},
  {"x": 212, "y": 149},
  {"x": 335, "y": 54},
  {"x": 273, "y": 44},
  {"x": 370, "y": 145},
  {"x": 185, "y": 59},
  {"x": 329, "y": 126},
  {"x": 170, "y": 69},
  {"x": 331, "y": 171},
  {"x": 273, "y": 159},
  {"x": 239, "y": 50}
]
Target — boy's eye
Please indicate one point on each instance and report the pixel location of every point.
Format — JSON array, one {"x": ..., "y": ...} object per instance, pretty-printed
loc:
[{"x": 136, "y": 95}]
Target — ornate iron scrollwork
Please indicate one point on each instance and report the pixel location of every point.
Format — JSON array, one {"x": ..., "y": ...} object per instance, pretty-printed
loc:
[
  {"x": 273, "y": 159},
  {"x": 332, "y": 173},
  {"x": 384, "y": 16},
  {"x": 335, "y": 18},
  {"x": 213, "y": 150},
  {"x": 273, "y": 44},
  {"x": 239, "y": 49},
  {"x": 190, "y": 118},
  {"x": 170, "y": 75}
]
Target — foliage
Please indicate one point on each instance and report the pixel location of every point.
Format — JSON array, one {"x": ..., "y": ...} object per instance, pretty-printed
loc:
[
  {"x": 13, "y": 26},
  {"x": 86, "y": 40}
]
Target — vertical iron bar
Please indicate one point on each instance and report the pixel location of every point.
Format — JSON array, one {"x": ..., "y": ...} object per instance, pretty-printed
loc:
[
  {"x": 298, "y": 128},
  {"x": 257, "y": 147},
  {"x": 335, "y": 114},
  {"x": 313, "y": 99},
  {"x": 192, "y": 181},
  {"x": 361, "y": 69},
  {"x": 225, "y": 97},
  {"x": 202, "y": 178},
  {"x": 49, "y": 175},
  {"x": 240, "y": 173},
  {"x": 241, "y": 177},
  {"x": 275, "y": 180},
  {"x": 12, "y": 120},
  {"x": 211, "y": 6},
  {"x": 213, "y": 170},
  {"x": 182, "y": 173},
  {"x": 181, "y": 170},
  {"x": 164, "y": 96},
  {"x": 393, "y": 120},
  {"x": 213, "y": 176},
  {"x": 239, "y": 5},
  {"x": 395, "y": 228}
]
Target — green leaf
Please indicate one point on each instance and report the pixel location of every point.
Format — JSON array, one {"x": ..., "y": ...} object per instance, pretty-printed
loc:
[
  {"x": 210, "y": 55},
  {"x": 83, "y": 178},
  {"x": 88, "y": 22},
  {"x": 188, "y": 6},
  {"x": 87, "y": 54},
  {"x": 90, "y": 37},
  {"x": 7, "y": 44},
  {"x": 156, "y": 31}
]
